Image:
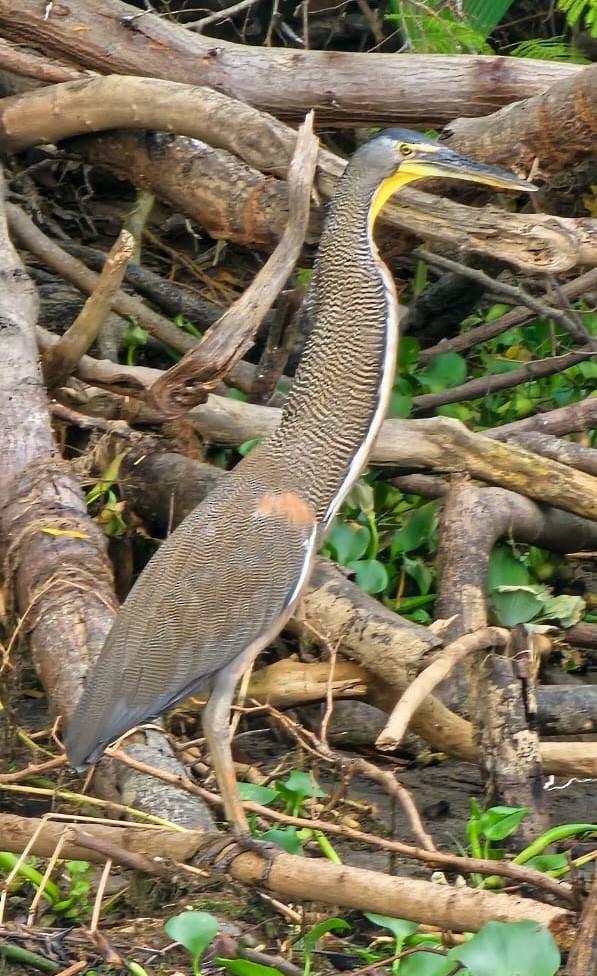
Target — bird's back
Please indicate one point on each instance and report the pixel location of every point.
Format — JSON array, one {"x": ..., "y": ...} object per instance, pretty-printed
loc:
[{"x": 224, "y": 577}]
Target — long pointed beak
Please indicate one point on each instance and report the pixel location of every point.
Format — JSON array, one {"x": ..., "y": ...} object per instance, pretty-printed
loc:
[{"x": 446, "y": 163}]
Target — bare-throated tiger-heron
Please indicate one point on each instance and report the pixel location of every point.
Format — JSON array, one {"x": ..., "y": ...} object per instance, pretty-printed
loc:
[{"x": 226, "y": 581}]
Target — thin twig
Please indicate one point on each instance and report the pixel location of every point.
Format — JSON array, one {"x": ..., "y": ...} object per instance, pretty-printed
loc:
[
  {"x": 423, "y": 685},
  {"x": 484, "y": 385},
  {"x": 198, "y": 26},
  {"x": 571, "y": 325}
]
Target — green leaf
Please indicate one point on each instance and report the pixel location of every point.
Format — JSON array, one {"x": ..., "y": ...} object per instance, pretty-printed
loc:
[
  {"x": 347, "y": 542},
  {"x": 514, "y": 949},
  {"x": 285, "y": 837},
  {"x": 246, "y": 447},
  {"x": 515, "y": 604},
  {"x": 400, "y": 928},
  {"x": 427, "y": 964},
  {"x": 548, "y": 862},
  {"x": 296, "y": 788},
  {"x": 497, "y": 823},
  {"x": 408, "y": 353},
  {"x": 370, "y": 575},
  {"x": 194, "y": 931},
  {"x": 257, "y": 794},
  {"x": 567, "y": 609},
  {"x": 506, "y": 569},
  {"x": 500, "y": 308},
  {"x": 418, "y": 529},
  {"x": 444, "y": 372},
  {"x": 310, "y": 940},
  {"x": 400, "y": 405},
  {"x": 243, "y": 967},
  {"x": 419, "y": 571}
]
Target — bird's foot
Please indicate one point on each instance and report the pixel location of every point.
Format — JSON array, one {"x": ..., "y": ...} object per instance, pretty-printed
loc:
[
  {"x": 220, "y": 854},
  {"x": 265, "y": 848}
]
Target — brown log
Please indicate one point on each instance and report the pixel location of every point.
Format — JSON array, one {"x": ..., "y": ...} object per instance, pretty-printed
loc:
[
  {"x": 222, "y": 194},
  {"x": 402, "y": 89},
  {"x": 543, "y": 134},
  {"x": 583, "y": 956},
  {"x": 457, "y": 909},
  {"x": 497, "y": 695},
  {"x": 54, "y": 553},
  {"x": 576, "y": 455},
  {"x": 532, "y": 243}
]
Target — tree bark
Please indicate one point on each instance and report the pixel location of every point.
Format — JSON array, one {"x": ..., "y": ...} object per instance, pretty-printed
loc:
[{"x": 401, "y": 89}]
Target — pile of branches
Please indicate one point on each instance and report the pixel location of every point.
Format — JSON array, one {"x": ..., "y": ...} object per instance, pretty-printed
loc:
[{"x": 207, "y": 130}]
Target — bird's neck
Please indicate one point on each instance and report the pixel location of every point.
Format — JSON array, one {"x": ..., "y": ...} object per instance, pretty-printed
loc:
[{"x": 342, "y": 387}]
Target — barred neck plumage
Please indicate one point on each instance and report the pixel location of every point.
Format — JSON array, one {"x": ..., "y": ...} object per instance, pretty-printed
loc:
[{"x": 342, "y": 387}]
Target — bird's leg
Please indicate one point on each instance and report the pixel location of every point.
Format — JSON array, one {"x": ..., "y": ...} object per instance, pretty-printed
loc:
[{"x": 216, "y": 728}]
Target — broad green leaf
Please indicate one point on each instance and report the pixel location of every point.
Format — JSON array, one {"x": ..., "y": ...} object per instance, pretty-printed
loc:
[
  {"x": 500, "y": 308},
  {"x": 285, "y": 837},
  {"x": 444, "y": 372},
  {"x": 193, "y": 930},
  {"x": 428, "y": 964},
  {"x": 514, "y": 949},
  {"x": 361, "y": 495},
  {"x": 310, "y": 940},
  {"x": 400, "y": 928},
  {"x": 409, "y": 353},
  {"x": 567, "y": 609},
  {"x": 400, "y": 405},
  {"x": 515, "y": 604},
  {"x": 548, "y": 862},
  {"x": 497, "y": 823},
  {"x": 258, "y": 794},
  {"x": 370, "y": 575},
  {"x": 347, "y": 542},
  {"x": 506, "y": 569},
  {"x": 300, "y": 782},
  {"x": 418, "y": 529},
  {"x": 418, "y": 570}
]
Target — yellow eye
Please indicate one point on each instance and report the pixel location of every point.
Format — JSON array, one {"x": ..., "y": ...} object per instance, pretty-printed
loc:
[{"x": 405, "y": 149}]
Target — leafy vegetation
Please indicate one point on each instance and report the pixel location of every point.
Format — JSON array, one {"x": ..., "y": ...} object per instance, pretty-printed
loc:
[{"x": 411, "y": 953}]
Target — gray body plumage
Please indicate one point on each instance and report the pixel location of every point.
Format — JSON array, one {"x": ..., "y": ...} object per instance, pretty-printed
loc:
[{"x": 227, "y": 579}]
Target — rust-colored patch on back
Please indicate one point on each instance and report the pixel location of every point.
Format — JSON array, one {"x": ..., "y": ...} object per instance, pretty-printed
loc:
[{"x": 288, "y": 506}]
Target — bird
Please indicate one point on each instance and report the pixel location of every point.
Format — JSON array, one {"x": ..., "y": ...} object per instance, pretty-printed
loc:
[{"x": 226, "y": 581}]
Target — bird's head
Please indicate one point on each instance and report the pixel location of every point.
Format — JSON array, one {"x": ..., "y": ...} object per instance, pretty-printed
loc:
[{"x": 400, "y": 156}]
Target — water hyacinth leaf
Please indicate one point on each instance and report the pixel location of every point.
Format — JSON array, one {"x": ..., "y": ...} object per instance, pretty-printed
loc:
[
  {"x": 515, "y": 604},
  {"x": 444, "y": 372},
  {"x": 510, "y": 949},
  {"x": 370, "y": 575},
  {"x": 347, "y": 542},
  {"x": 193, "y": 930}
]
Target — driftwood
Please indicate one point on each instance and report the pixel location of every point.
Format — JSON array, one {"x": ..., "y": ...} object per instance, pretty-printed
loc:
[
  {"x": 62, "y": 358},
  {"x": 458, "y": 909},
  {"x": 534, "y": 243},
  {"x": 401, "y": 89},
  {"x": 232, "y": 336},
  {"x": 561, "y": 710},
  {"x": 498, "y": 701},
  {"x": 571, "y": 107},
  {"x": 53, "y": 553}
]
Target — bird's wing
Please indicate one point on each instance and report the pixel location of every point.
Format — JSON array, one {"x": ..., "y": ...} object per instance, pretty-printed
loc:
[{"x": 229, "y": 574}]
